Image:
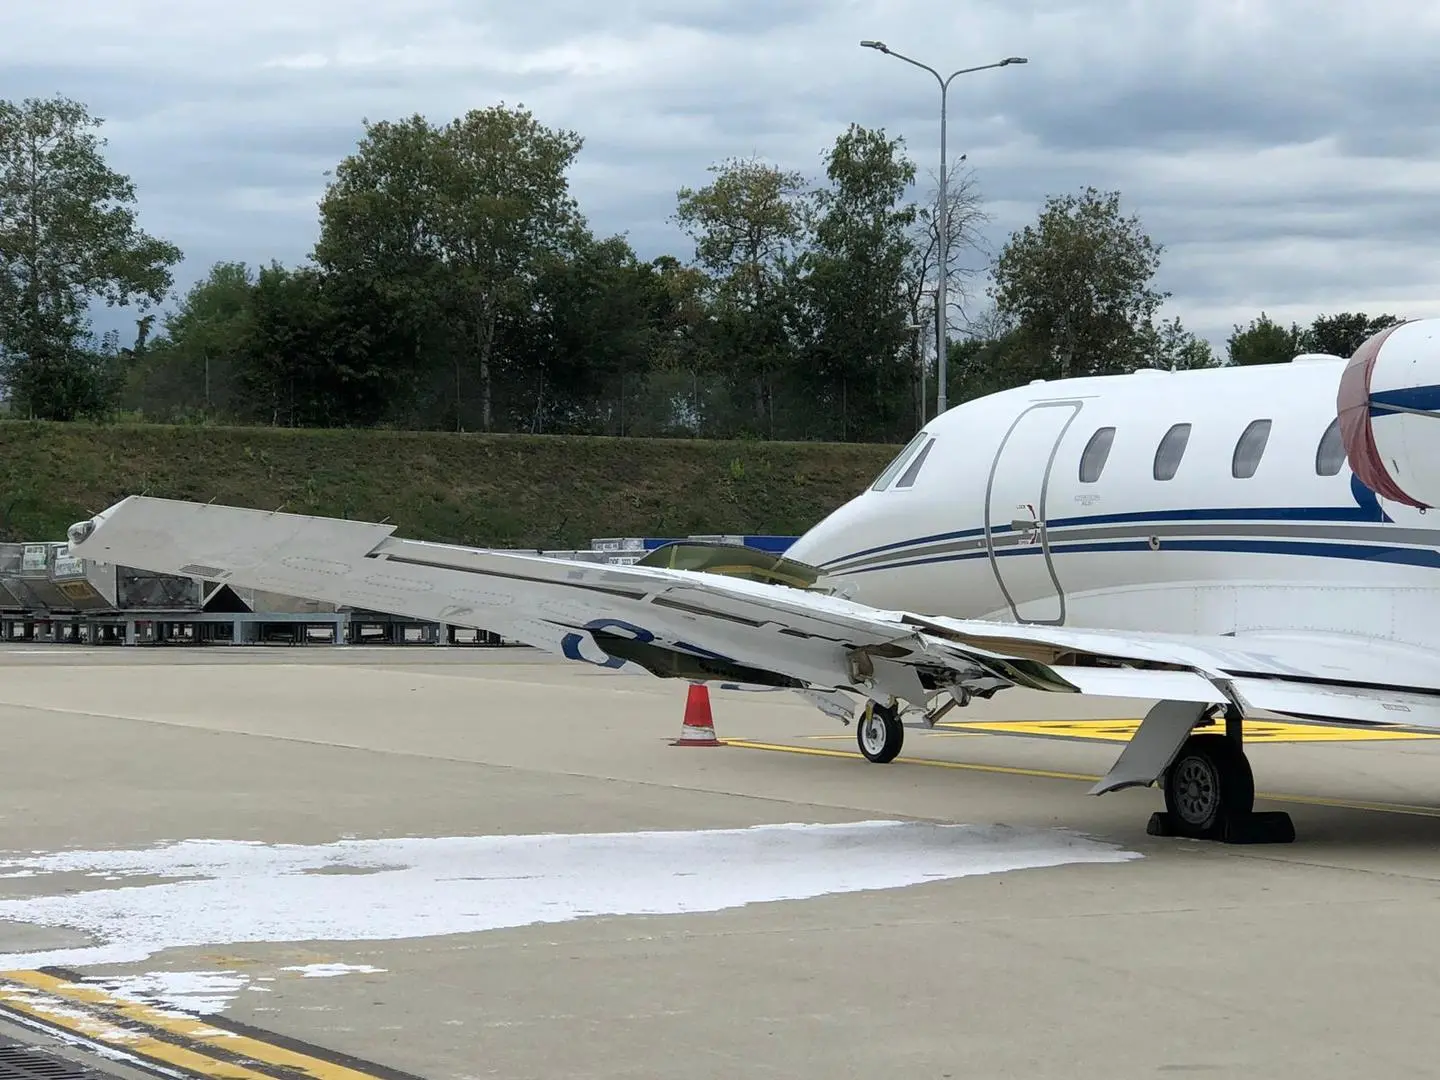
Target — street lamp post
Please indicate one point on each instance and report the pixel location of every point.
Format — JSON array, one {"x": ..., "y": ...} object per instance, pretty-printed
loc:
[
  {"x": 942, "y": 311},
  {"x": 918, "y": 329}
]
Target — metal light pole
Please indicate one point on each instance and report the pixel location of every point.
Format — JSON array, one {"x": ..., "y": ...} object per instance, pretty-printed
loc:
[
  {"x": 918, "y": 329},
  {"x": 942, "y": 311}
]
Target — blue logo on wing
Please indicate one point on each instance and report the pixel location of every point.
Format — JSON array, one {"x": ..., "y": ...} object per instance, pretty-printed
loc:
[{"x": 570, "y": 643}]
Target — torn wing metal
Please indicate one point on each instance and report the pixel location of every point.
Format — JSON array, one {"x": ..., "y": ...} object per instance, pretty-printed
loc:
[{"x": 691, "y": 624}]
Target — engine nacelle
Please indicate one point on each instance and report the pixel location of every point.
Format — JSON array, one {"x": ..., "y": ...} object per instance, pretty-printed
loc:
[{"x": 1389, "y": 407}]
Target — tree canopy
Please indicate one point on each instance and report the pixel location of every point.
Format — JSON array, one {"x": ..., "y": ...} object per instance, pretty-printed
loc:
[
  {"x": 455, "y": 283},
  {"x": 68, "y": 237},
  {"x": 1264, "y": 341},
  {"x": 1078, "y": 287}
]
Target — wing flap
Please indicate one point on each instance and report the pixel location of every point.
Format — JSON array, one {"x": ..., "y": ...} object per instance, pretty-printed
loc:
[
  {"x": 1371, "y": 706},
  {"x": 1140, "y": 683}
]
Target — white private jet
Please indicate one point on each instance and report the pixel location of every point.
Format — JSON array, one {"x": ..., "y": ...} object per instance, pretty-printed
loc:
[{"x": 1222, "y": 542}]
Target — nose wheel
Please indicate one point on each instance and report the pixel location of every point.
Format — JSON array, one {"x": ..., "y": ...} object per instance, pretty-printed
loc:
[{"x": 880, "y": 733}]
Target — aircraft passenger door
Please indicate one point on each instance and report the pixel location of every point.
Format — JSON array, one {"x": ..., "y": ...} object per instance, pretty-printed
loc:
[{"x": 1015, "y": 512}]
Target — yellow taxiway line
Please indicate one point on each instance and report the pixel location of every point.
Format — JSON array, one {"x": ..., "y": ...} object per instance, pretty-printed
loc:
[
  {"x": 1121, "y": 730},
  {"x": 1052, "y": 774},
  {"x": 213, "y": 1049}
]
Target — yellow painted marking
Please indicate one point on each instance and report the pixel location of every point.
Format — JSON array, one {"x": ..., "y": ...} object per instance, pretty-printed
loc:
[
  {"x": 1121, "y": 730},
  {"x": 46, "y": 1009},
  {"x": 1088, "y": 778},
  {"x": 97, "y": 1015},
  {"x": 817, "y": 751}
]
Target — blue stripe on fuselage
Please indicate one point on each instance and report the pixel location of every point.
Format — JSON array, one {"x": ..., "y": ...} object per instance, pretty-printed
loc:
[
  {"x": 1348, "y": 514},
  {"x": 1353, "y": 552}
]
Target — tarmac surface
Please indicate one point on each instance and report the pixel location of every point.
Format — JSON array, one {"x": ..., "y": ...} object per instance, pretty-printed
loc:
[{"x": 1126, "y": 956}]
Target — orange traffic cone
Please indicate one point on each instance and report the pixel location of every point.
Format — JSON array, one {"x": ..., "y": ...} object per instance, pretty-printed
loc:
[{"x": 699, "y": 727}]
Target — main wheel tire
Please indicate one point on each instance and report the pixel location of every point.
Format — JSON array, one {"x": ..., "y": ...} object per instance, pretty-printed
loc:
[
  {"x": 1208, "y": 782},
  {"x": 880, "y": 734}
]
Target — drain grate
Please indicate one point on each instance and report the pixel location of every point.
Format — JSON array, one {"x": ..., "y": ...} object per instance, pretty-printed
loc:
[{"x": 20, "y": 1062}]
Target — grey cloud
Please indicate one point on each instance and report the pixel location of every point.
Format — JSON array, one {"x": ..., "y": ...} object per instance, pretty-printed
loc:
[
  {"x": 227, "y": 117},
  {"x": 1238, "y": 108},
  {"x": 745, "y": 18},
  {"x": 1178, "y": 116}
]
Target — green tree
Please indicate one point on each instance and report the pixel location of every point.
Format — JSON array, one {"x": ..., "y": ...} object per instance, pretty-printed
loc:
[
  {"x": 68, "y": 238},
  {"x": 318, "y": 351},
  {"x": 591, "y": 333},
  {"x": 1264, "y": 341},
  {"x": 1172, "y": 347},
  {"x": 860, "y": 355},
  {"x": 683, "y": 365},
  {"x": 206, "y": 345},
  {"x": 1078, "y": 284},
  {"x": 996, "y": 355},
  {"x": 749, "y": 225},
  {"x": 981, "y": 365},
  {"x": 1342, "y": 334},
  {"x": 451, "y": 223}
]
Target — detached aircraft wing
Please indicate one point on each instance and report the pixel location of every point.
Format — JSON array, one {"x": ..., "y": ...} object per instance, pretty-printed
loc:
[{"x": 736, "y": 615}]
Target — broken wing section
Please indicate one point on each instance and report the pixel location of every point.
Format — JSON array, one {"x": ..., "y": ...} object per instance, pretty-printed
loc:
[
  {"x": 670, "y": 622},
  {"x": 718, "y": 624}
]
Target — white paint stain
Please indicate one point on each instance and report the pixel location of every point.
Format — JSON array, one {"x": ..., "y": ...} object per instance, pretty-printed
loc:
[{"x": 224, "y": 892}]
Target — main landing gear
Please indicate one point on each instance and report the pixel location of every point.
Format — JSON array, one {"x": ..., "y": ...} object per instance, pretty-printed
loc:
[
  {"x": 1206, "y": 779},
  {"x": 1210, "y": 793},
  {"x": 880, "y": 733}
]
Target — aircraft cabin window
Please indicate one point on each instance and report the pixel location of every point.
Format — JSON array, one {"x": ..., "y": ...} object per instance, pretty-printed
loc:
[
  {"x": 1331, "y": 454},
  {"x": 898, "y": 463},
  {"x": 1170, "y": 451},
  {"x": 1249, "y": 449},
  {"x": 914, "y": 470},
  {"x": 1097, "y": 451}
]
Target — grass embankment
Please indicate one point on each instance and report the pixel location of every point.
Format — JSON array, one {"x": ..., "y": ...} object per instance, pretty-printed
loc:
[{"x": 485, "y": 490}]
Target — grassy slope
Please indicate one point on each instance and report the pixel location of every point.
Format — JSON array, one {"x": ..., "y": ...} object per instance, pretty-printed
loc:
[{"x": 487, "y": 490}]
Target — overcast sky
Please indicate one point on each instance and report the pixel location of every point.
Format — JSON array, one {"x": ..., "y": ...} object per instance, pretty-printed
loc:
[{"x": 1285, "y": 152}]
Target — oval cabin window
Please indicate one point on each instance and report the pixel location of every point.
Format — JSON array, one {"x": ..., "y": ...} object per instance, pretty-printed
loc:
[
  {"x": 1331, "y": 454},
  {"x": 1097, "y": 451},
  {"x": 1250, "y": 449},
  {"x": 1170, "y": 451}
]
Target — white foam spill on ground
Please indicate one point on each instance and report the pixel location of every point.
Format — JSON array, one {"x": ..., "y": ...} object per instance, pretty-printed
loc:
[
  {"x": 188, "y": 991},
  {"x": 329, "y": 971},
  {"x": 222, "y": 892}
]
